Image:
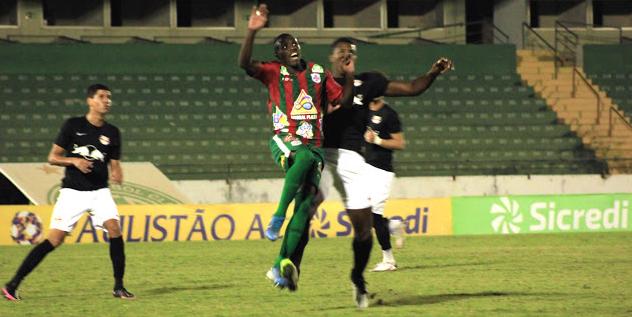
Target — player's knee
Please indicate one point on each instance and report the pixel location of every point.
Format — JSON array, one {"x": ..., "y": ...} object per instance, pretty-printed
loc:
[
  {"x": 56, "y": 238},
  {"x": 113, "y": 228}
]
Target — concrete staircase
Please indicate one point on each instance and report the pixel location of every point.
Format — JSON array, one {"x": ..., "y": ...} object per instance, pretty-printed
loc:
[{"x": 580, "y": 112}]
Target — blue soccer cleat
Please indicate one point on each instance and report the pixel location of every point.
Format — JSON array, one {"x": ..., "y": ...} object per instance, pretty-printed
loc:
[
  {"x": 272, "y": 232},
  {"x": 274, "y": 275}
]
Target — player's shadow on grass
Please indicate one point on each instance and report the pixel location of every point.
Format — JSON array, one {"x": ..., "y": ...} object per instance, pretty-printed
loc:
[
  {"x": 439, "y": 266},
  {"x": 440, "y": 298},
  {"x": 167, "y": 290}
]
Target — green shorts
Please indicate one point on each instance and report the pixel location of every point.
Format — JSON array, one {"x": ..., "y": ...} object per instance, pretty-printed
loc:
[{"x": 281, "y": 145}]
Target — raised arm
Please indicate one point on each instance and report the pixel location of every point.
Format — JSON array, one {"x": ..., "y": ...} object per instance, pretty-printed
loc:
[
  {"x": 415, "y": 87},
  {"x": 348, "y": 69},
  {"x": 258, "y": 19}
]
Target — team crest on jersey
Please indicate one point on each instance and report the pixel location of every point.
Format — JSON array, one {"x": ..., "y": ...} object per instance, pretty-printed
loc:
[
  {"x": 279, "y": 119},
  {"x": 376, "y": 119},
  {"x": 304, "y": 108},
  {"x": 104, "y": 140},
  {"x": 357, "y": 83},
  {"x": 317, "y": 69},
  {"x": 316, "y": 78},
  {"x": 306, "y": 130}
]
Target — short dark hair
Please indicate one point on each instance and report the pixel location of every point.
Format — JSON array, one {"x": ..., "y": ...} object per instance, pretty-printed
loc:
[
  {"x": 92, "y": 89},
  {"x": 278, "y": 39},
  {"x": 339, "y": 40}
]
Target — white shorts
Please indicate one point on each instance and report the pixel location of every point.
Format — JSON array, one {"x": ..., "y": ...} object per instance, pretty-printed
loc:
[
  {"x": 346, "y": 171},
  {"x": 71, "y": 204},
  {"x": 381, "y": 182}
]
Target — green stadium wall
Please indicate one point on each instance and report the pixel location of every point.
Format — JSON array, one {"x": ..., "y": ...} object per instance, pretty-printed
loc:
[
  {"x": 607, "y": 59},
  {"x": 222, "y": 58}
]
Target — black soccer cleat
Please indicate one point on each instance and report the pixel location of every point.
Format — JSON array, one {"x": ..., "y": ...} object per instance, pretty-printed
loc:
[
  {"x": 10, "y": 294},
  {"x": 122, "y": 294}
]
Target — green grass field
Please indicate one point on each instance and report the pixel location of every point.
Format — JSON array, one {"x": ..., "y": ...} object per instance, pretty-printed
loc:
[{"x": 521, "y": 275}]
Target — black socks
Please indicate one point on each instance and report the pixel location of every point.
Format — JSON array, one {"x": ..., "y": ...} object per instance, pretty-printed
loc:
[
  {"x": 30, "y": 262},
  {"x": 380, "y": 224},
  {"x": 117, "y": 254}
]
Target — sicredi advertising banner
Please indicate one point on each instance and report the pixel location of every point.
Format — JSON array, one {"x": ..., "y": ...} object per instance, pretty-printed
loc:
[
  {"x": 155, "y": 223},
  {"x": 541, "y": 214}
]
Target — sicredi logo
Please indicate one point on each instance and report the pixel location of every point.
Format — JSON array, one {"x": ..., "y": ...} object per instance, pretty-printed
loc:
[
  {"x": 507, "y": 216},
  {"x": 549, "y": 216}
]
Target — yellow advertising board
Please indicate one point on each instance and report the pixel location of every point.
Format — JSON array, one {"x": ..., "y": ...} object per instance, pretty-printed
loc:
[{"x": 154, "y": 223}]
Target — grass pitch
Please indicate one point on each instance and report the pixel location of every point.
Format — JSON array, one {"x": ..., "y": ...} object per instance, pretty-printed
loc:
[{"x": 521, "y": 275}]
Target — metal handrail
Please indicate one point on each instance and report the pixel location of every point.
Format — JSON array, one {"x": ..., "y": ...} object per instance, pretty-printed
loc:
[
  {"x": 528, "y": 27},
  {"x": 594, "y": 91},
  {"x": 620, "y": 115},
  {"x": 553, "y": 49}
]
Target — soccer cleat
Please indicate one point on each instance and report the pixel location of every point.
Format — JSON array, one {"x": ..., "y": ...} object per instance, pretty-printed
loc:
[
  {"x": 279, "y": 281},
  {"x": 272, "y": 232},
  {"x": 11, "y": 295},
  {"x": 384, "y": 267},
  {"x": 360, "y": 294},
  {"x": 396, "y": 227},
  {"x": 289, "y": 272},
  {"x": 122, "y": 294}
]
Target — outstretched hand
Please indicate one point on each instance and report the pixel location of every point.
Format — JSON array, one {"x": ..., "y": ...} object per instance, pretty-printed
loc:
[
  {"x": 258, "y": 17},
  {"x": 442, "y": 65}
]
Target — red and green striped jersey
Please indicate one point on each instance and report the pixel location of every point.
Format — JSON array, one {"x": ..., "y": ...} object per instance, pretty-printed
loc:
[{"x": 296, "y": 101}]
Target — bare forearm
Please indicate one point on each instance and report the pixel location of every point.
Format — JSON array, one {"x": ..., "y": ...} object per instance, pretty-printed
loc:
[
  {"x": 245, "y": 53},
  {"x": 393, "y": 144},
  {"x": 60, "y": 160},
  {"x": 422, "y": 83},
  {"x": 347, "y": 93}
]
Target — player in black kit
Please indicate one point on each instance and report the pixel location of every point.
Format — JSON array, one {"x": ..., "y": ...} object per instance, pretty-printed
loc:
[
  {"x": 345, "y": 149},
  {"x": 383, "y": 135},
  {"x": 86, "y": 146}
]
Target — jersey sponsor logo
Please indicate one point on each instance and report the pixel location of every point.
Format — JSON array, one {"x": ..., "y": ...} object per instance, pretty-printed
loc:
[
  {"x": 357, "y": 99},
  {"x": 315, "y": 78},
  {"x": 81, "y": 134},
  {"x": 284, "y": 71},
  {"x": 376, "y": 119},
  {"x": 306, "y": 130},
  {"x": 104, "y": 140},
  {"x": 279, "y": 119},
  {"x": 304, "y": 108},
  {"x": 89, "y": 152},
  {"x": 317, "y": 69}
]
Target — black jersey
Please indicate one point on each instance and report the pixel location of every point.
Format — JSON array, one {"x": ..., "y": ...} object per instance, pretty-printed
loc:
[
  {"x": 386, "y": 122},
  {"x": 96, "y": 144},
  {"x": 344, "y": 128}
]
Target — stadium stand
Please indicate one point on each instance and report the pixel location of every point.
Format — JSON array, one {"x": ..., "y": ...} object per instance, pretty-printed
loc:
[
  {"x": 210, "y": 123},
  {"x": 606, "y": 67}
]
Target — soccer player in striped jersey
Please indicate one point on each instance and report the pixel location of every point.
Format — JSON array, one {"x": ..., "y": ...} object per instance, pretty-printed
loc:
[{"x": 299, "y": 94}]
